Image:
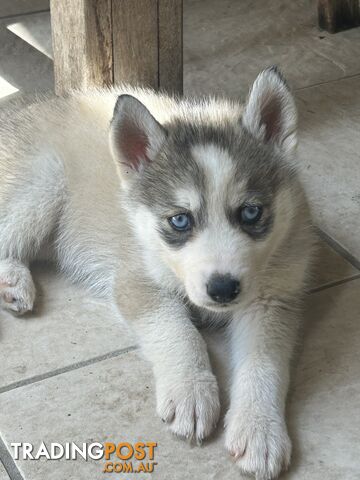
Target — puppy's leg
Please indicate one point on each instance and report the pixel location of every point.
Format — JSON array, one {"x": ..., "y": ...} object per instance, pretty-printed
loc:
[
  {"x": 30, "y": 199},
  {"x": 186, "y": 389},
  {"x": 262, "y": 345}
]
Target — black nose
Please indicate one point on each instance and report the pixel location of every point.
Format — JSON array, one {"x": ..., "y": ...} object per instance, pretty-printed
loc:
[{"x": 223, "y": 288}]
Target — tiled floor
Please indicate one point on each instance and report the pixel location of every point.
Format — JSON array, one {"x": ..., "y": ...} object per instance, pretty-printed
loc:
[{"x": 70, "y": 373}]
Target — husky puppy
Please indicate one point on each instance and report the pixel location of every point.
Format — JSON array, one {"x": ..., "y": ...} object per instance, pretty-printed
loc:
[{"x": 173, "y": 208}]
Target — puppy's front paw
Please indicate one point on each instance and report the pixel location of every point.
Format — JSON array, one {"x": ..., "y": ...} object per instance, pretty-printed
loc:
[
  {"x": 190, "y": 406},
  {"x": 259, "y": 444},
  {"x": 17, "y": 290}
]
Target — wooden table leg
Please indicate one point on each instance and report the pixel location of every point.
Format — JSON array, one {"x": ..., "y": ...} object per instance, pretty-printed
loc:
[
  {"x": 336, "y": 15},
  {"x": 105, "y": 42}
]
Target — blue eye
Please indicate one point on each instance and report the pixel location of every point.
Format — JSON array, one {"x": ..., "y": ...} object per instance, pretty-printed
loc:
[
  {"x": 250, "y": 214},
  {"x": 180, "y": 222}
]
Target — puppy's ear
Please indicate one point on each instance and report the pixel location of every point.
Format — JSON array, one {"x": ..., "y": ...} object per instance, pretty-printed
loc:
[
  {"x": 135, "y": 136},
  {"x": 270, "y": 112}
]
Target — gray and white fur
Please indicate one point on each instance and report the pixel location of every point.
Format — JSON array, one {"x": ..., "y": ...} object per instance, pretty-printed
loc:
[{"x": 106, "y": 179}]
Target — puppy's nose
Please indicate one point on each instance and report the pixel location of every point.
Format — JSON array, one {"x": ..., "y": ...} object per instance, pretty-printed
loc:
[{"x": 223, "y": 288}]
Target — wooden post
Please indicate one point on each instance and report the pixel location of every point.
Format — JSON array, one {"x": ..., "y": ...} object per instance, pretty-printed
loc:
[
  {"x": 105, "y": 42},
  {"x": 336, "y": 15},
  {"x": 171, "y": 45},
  {"x": 82, "y": 43},
  {"x": 135, "y": 42}
]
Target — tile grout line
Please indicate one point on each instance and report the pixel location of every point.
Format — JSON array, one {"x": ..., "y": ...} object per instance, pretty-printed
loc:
[
  {"x": 9, "y": 463},
  {"x": 335, "y": 245},
  {"x": 326, "y": 82},
  {"x": 69, "y": 368},
  {"x": 25, "y": 14},
  {"x": 336, "y": 283}
]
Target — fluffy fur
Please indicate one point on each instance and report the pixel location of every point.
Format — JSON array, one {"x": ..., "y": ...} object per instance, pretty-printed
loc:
[{"x": 96, "y": 177}]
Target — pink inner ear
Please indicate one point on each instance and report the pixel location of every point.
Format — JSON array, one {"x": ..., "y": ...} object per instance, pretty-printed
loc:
[
  {"x": 271, "y": 118},
  {"x": 133, "y": 144}
]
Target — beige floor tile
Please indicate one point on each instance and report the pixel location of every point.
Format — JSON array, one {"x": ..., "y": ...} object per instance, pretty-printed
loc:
[
  {"x": 329, "y": 147},
  {"x": 227, "y": 43},
  {"x": 110, "y": 401},
  {"x": 114, "y": 401},
  {"x": 22, "y": 66},
  {"x": 68, "y": 326},
  {"x": 34, "y": 30},
  {"x": 330, "y": 267},
  {"x": 324, "y": 410},
  {"x": 20, "y": 7},
  {"x": 3, "y": 474}
]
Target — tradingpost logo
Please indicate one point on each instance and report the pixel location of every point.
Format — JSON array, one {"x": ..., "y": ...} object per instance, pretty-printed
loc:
[{"x": 124, "y": 457}]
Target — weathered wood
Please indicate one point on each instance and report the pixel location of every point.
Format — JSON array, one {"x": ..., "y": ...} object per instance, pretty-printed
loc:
[
  {"x": 336, "y": 15},
  {"x": 82, "y": 43},
  {"x": 104, "y": 42},
  {"x": 135, "y": 42},
  {"x": 171, "y": 45}
]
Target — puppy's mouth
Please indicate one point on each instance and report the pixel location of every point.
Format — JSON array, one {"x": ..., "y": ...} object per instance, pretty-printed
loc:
[{"x": 221, "y": 307}]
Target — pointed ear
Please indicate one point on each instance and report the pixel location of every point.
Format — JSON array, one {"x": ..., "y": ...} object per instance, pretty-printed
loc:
[
  {"x": 135, "y": 136},
  {"x": 270, "y": 112}
]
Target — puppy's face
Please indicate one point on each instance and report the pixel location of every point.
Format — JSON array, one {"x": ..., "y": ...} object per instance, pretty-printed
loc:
[{"x": 210, "y": 201}]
